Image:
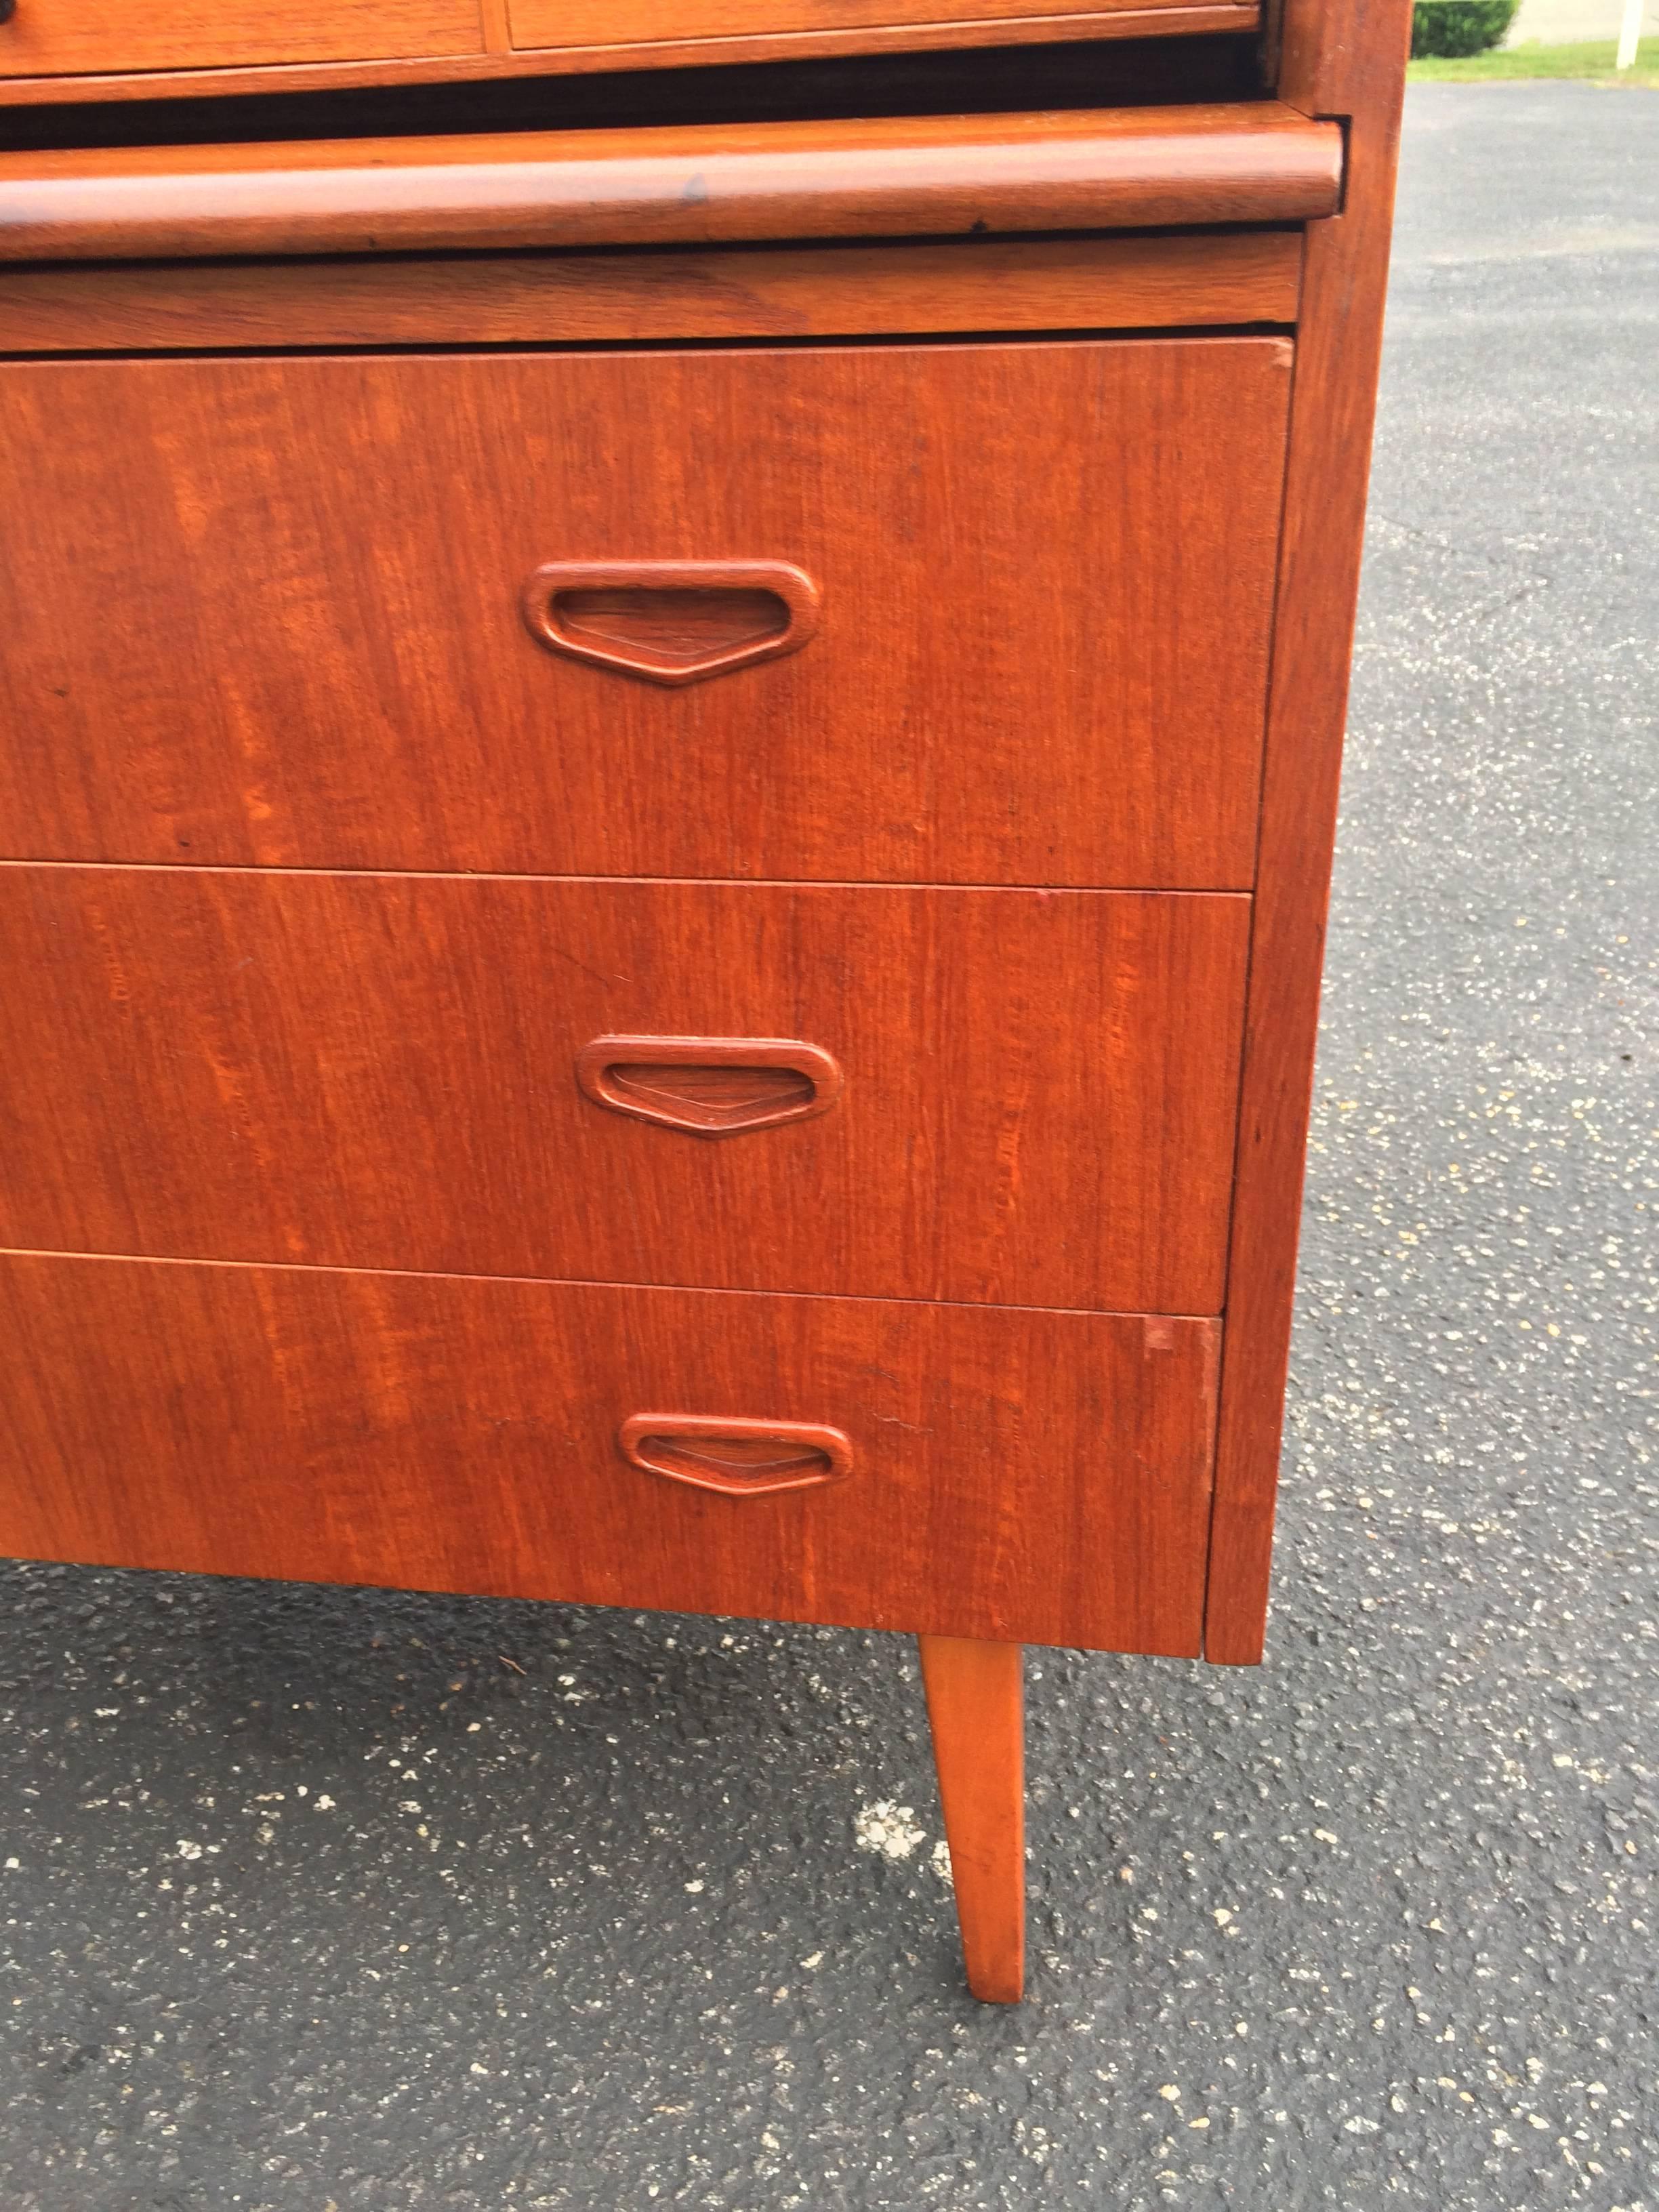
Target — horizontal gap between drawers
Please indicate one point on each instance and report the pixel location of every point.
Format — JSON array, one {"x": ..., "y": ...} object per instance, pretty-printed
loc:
[
  {"x": 760, "y": 341},
  {"x": 582, "y": 1282},
  {"x": 711, "y": 883}
]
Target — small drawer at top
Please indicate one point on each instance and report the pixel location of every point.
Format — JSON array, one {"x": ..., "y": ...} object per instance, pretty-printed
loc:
[
  {"x": 74, "y": 37},
  {"x": 618, "y": 22},
  {"x": 965, "y": 613}
]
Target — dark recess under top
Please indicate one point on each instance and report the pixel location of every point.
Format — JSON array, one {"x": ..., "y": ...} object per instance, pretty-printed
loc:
[{"x": 1110, "y": 73}]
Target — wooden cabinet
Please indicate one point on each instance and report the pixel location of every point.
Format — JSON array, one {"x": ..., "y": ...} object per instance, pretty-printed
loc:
[{"x": 666, "y": 796}]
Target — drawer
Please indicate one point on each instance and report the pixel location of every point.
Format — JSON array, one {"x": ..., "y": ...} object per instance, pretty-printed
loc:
[
  {"x": 604, "y": 22},
  {"x": 1010, "y": 1096},
  {"x": 53, "y": 38},
  {"x": 1036, "y": 1476},
  {"x": 972, "y": 614}
]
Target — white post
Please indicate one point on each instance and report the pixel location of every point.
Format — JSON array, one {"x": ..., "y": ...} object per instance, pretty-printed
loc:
[{"x": 1630, "y": 30}]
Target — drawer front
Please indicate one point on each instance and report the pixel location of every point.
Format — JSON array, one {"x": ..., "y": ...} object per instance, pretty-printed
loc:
[
  {"x": 604, "y": 23},
  {"x": 1017, "y": 1096},
  {"x": 1036, "y": 1476},
  {"x": 52, "y": 37},
  {"x": 971, "y": 614}
]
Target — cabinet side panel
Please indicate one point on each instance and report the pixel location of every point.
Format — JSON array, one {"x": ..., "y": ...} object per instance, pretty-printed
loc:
[{"x": 1346, "y": 63}]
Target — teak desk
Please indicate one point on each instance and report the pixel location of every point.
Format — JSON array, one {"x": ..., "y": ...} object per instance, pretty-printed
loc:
[{"x": 673, "y": 688}]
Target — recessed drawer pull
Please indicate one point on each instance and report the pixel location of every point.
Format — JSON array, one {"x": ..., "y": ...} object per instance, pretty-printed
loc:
[
  {"x": 709, "y": 1086},
  {"x": 736, "y": 1458},
  {"x": 672, "y": 621}
]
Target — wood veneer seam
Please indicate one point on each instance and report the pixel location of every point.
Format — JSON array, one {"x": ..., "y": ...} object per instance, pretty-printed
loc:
[
  {"x": 704, "y": 883},
  {"x": 593, "y": 1283}
]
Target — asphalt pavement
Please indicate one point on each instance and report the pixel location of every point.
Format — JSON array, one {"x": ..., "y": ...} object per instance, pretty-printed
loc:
[{"x": 325, "y": 1901}]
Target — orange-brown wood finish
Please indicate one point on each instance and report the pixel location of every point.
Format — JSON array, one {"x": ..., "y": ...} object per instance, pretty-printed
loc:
[
  {"x": 1348, "y": 61},
  {"x": 272, "y": 612},
  {"x": 672, "y": 621},
  {"x": 976, "y": 1709},
  {"x": 1037, "y": 1100},
  {"x": 900, "y": 37},
  {"x": 735, "y": 1458},
  {"x": 1257, "y": 161},
  {"x": 710, "y": 1086},
  {"x": 65, "y": 36},
  {"x": 649, "y": 22},
  {"x": 1041, "y": 1477},
  {"x": 831, "y": 291}
]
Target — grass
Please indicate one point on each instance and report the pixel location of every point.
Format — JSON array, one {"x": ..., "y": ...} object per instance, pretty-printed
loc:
[{"x": 1591, "y": 61}]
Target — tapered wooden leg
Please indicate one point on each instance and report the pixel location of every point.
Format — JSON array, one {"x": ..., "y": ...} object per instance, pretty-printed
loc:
[{"x": 975, "y": 1702}]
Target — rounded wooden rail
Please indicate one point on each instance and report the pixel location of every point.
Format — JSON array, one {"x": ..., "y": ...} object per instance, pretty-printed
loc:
[{"x": 1249, "y": 163}]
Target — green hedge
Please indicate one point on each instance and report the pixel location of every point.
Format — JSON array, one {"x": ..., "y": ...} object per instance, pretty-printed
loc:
[{"x": 1460, "y": 26}]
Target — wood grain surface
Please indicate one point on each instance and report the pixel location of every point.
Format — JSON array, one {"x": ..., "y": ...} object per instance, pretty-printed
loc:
[
  {"x": 709, "y": 1087},
  {"x": 977, "y": 1715},
  {"x": 976, "y": 1709},
  {"x": 642, "y": 22},
  {"x": 834, "y": 291},
  {"x": 898, "y": 38},
  {"x": 1348, "y": 60},
  {"x": 1034, "y": 1476},
  {"x": 268, "y": 611},
  {"x": 731, "y": 1457},
  {"x": 1037, "y": 1105},
  {"x": 671, "y": 621},
  {"x": 54, "y": 37},
  {"x": 1229, "y": 162}
]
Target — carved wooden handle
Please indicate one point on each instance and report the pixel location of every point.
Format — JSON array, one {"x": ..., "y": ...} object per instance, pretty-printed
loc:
[
  {"x": 709, "y": 1086},
  {"x": 672, "y": 621},
  {"x": 735, "y": 1458}
]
